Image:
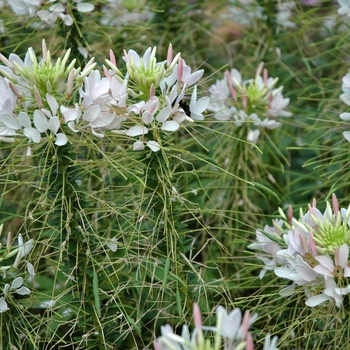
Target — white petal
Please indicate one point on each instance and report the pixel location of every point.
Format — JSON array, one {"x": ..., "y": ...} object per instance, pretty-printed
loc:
[
  {"x": 94, "y": 132},
  {"x": 40, "y": 121},
  {"x": 23, "y": 118},
  {"x": 53, "y": 124},
  {"x": 325, "y": 260},
  {"x": 23, "y": 291},
  {"x": 202, "y": 104},
  {"x": 85, "y": 7},
  {"x": 30, "y": 268},
  {"x": 61, "y": 139},
  {"x": 306, "y": 273},
  {"x": 345, "y": 116},
  {"x": 44, "y": 14},
  {"x": 52, "y": 103},
  {"x": 3, "y": 305},
  {"x": 112, "y": 245},
  {"x": 343, "y": 255},
  {"x": 147, "y": 117},
  {"x": 136, "y": 131},
  {"x": 287, "y": 291},
  {"x": 163, "y": 115},
  {"x": 16, "y": 283},
  {"x": 138, "y": 146},
  {"x": 317, "y": 300},
  {"x": 283, "y": 272},
  {"x": 27, "y": 247},
  {"x": 71, "y": 126},
  {"x": 170, "y": 125},
  {"x": 10, "y": 121},
  {"x": 153, "y": 145},
  {"x": 32, "y": 134},
  {"x": 67, "y": 20},
  {"x": 346, "y": 135},
  {"x": 92, "y": 113},
  {"x": 70, "y": 114}
]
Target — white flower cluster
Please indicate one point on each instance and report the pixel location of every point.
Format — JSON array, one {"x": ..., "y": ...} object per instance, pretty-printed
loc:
[
  {"x": 312, "y": 252},
  {"x": 230, "y": 329},
  {"x": 255, "y": 101},
  {"x": 46, "y": 100},
  {"x": 16, "y": 285},
  {"x": 50, "y": 10},
  {"x": 247, "y": 12},
  {"x": 345, "y": 97},
  {"x": 344, "y": 7},
  {"x": 115, "y": 13}
]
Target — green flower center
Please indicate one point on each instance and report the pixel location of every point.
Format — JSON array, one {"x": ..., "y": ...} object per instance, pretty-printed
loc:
[
  {"x": 46, "y": 76},
  {"x": 331, "y": 234}
]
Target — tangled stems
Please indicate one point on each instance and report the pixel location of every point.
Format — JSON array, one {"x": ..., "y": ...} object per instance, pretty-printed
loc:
[
  {"x": 69, "y": 243},
  {"x": 165, "y": 207}
]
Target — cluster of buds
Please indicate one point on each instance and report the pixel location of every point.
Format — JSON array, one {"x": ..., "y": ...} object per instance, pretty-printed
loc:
[
  {"x": 47, "y": 100},
  {"x": 254, "y": 102},
  {"x": 312, "y": 252},
  {"x": 9, "y": 270},
  {"x": 230, "y": 330}
]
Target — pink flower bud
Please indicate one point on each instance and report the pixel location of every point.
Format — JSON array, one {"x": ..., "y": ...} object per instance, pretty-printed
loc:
[{"x": 170, "y": 55}]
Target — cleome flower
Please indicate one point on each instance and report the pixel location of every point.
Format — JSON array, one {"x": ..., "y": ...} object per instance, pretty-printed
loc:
[
  {"x": 52, "y": 101},
  {"x": 231, "y": 330},
  {"x": 254, "y": 102},
  {"x": 151, "y": 95},
  {"x": 9, "y": 270},
  {"x": 313, "y": 254}
]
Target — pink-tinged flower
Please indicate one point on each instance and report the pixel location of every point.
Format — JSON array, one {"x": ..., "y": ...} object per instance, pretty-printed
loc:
[
  {"x": 249, "y": 100},
  {"x": 45, "y": 120},
  {"x": 97, "y": 117},
  {"x": 277, "y": 106},
  {"x": 269, "y": 246},
  {"x": 316, "y": 255},
  {"x": 21, "y": 123},
  {"x": 187, "y": 77},
  {"x": 298, "y": 271},
  {"x": 97, "y": 90},
  {"x": 119, "y": 92},
  {"x": 150, "y": 108},
  {"x": 172, "y": 115},
  {"x": 7, "y": 97},
  {"x": 232, "y": 328},
  {"x": 270, "y": 345}
]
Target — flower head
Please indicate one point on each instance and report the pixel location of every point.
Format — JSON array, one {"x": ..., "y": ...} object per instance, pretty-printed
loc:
[
  {"x": 255, "y": 101},
  {"x": 314, "y": 253}
]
